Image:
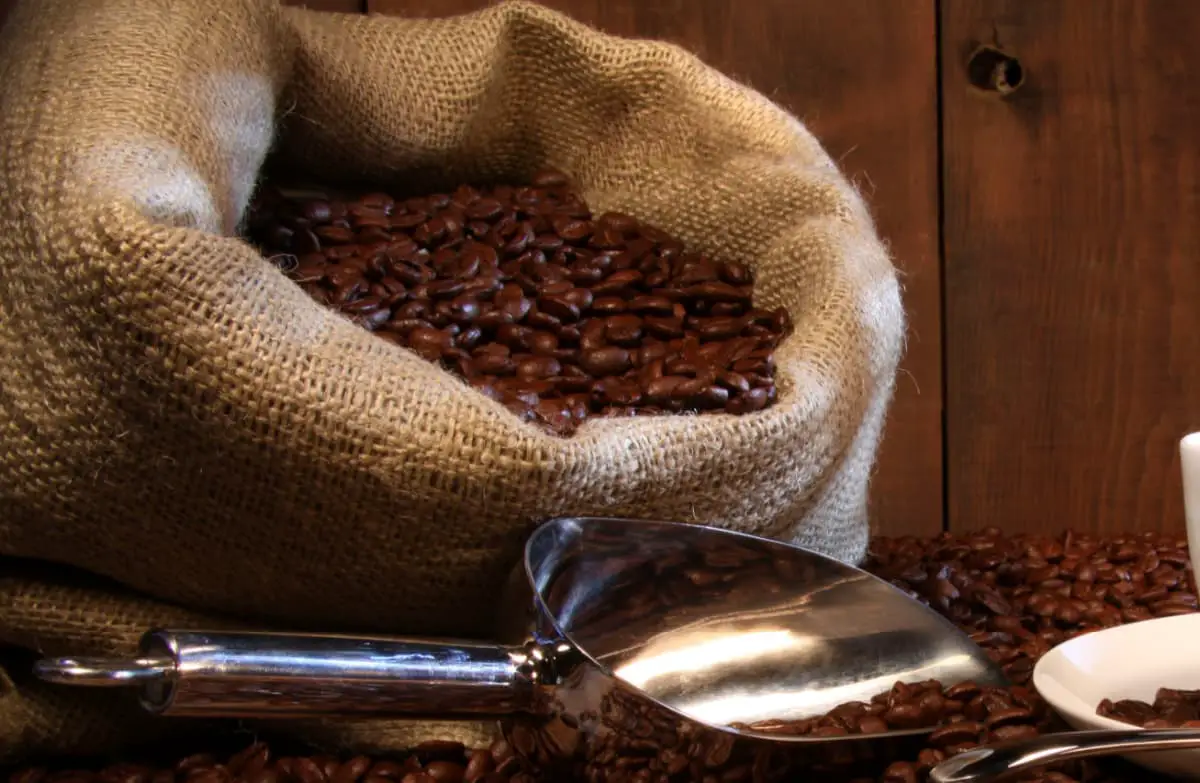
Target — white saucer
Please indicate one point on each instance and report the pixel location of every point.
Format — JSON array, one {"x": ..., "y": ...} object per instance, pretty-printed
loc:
[{"x": 1126, "y": 662}]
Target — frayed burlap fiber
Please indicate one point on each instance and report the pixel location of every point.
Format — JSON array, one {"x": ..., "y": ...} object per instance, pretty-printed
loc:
[{"x": 180, "y": 419}]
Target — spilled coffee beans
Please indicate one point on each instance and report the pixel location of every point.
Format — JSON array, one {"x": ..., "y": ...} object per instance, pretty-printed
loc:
[
  {"x": 558, "y": 314},
  {"x": 1017, "y": 596},
  {"x": 965, "y": 714},
  {"x": 433, "y": 762}
]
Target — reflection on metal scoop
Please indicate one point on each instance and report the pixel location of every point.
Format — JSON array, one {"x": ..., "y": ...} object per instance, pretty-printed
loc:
[
  {"x": 1007, "y": 760},
  {"x": 689, "y": 626}
]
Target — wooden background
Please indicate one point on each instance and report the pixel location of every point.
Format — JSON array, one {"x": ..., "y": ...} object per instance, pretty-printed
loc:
[
  {"x": 1070, "y": 231},
  {"x": 1045, "y": 233}
]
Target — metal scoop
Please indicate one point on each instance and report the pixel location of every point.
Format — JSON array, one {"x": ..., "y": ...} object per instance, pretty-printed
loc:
[{"x": 611, "y": 622}]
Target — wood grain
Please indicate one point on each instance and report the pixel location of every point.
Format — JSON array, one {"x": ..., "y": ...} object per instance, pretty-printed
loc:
[
  {"x": 863, "y": 76},
  {"x": 6, "y": 7},
  {"x": 1072, "y": 276}
]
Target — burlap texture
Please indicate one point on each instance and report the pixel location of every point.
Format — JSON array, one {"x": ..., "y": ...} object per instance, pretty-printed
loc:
[{"x": 178, "y": 417}]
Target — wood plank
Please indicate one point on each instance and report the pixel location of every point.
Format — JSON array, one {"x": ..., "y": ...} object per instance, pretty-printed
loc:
[
  {"x": 6, "y": 7},
  {"x": 1071, "y": 264},
  {"x": 863, "y": 76}
]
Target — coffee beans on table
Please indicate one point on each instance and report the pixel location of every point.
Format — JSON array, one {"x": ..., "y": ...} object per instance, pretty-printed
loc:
[
  {"x": 965, "y": 714},
  {"x": 1019, "y": 596},
  {"x": 557, "y": 313},
  {"x": 1171, "y": 709},
  {"x": 1016, "y": 595},
  {"x": 433, "y": 762},
  {"x": 644, "y": 744}
]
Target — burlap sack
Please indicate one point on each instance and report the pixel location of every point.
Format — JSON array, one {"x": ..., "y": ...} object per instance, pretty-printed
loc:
[{"x": 178, "y": 417}]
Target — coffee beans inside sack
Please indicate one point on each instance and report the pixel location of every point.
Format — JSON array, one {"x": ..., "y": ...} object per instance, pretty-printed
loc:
[
  {"x": 194, "y": 430},
  {"x": 537, "y": 303}
]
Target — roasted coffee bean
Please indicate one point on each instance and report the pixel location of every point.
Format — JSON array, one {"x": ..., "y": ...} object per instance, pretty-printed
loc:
[
  {"x": 664, "y": 328},
  {"x": 651, "y": 305},
  {"x": 334, "y": 234},
  {"x": 545, "y": 344},
  {"x": 315, "y": 211},
  {"x": 429, "y": 343},
  {"x": 748, "y": 402},
  {"x": 464, "y": 309},
  {"x": 872, "y": 724},
  {"x": 306, "y": 770},
  {"x": 734, "y": 381},
  {"x": 560, "y": 308},
  {"x": 591, "y": 336},
  {"x": 581, "y": 298},
  {"x": 606, "y": 238},
  {"x": 536, "y": 367},
  {"x": 446, "y": 771},
  {"x": 483, "y": 209},
  {"x": 351, "y": 771},
  {"x": 603, "y": 362},
  {"x": 956, "y": 733},
  {"x": 620, "y": 282},
  {"x": 501, "y": 752},
  {"x": 1172, "y": 708},
  {"x": 603, "y": 305},
  {"x": 901, "y": 772},
  {"x": 479, "y": 765},
  {"x": 711, "y": 396},
  {"x": 531, "y": 268},
  {"x": 904, "y": 716},
  {"x": 717, "y": 292},
  {"x": 623, "y": 330},
  {"x": 736, "y": 274},
  {"x": 387, "y": 770},
  {"x": 664, "y": 389},
  {"x": 719, "y": 328},
  {"x": 572, "y": 230},
  {"x": 1007, "y": 716}
]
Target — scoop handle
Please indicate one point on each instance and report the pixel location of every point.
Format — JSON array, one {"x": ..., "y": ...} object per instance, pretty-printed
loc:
[
  {"x": 220, "y": 674},
  {"x": 1006, "y": 760}
]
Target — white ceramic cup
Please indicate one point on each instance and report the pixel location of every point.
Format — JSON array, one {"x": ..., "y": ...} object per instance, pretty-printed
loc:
[{"x": 1189, "y": 458}]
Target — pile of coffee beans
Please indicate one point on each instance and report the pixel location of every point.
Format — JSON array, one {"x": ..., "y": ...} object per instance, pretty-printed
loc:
[
  {"x": 1016, "y": 595},
  {"x": 1019, "y": 596},
  {"x": 433, "y": 762},
  {"x": 1171, "y": 709},
  {"x": 966, "y": 714},
  {"x": 533, "y": 300}
]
